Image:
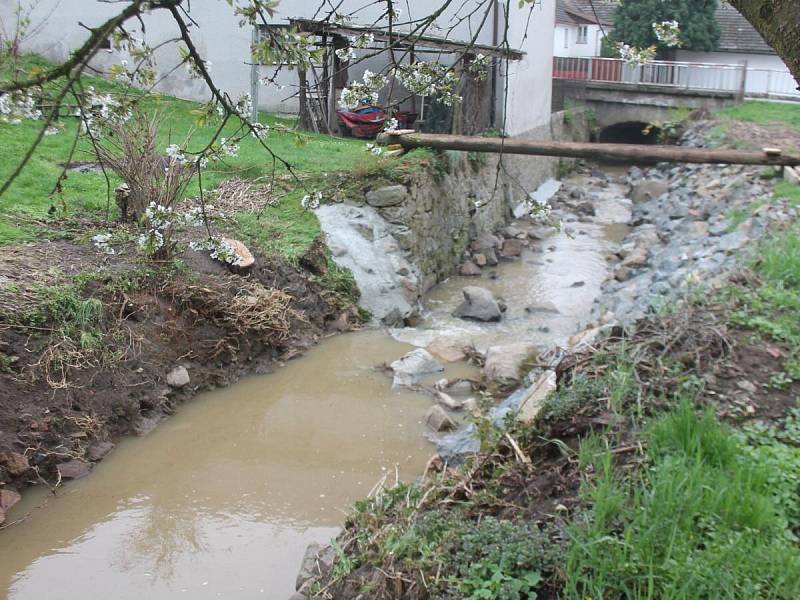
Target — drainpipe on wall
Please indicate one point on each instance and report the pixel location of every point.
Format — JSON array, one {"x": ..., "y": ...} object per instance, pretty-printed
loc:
[
  {"x": 254, "y": 77},
  {"x": 493, "y": 108}
]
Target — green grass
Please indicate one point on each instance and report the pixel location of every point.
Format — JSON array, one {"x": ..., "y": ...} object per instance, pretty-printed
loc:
[
  {"x": 701, "y": 521},
  {"x": 790, "y": 191},
  {"x": 31, "y": 195},
  {"x": 765, "y": 113},
  {"x": 771, "y": 308}
]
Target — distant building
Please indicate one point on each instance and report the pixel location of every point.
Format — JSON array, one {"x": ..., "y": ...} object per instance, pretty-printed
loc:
[
  {"x": 581, "y": 26},
  {"x": 740, "y": 43}
]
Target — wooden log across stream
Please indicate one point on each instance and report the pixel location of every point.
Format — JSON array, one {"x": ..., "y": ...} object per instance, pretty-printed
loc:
[{"x": 620, "y": 152}]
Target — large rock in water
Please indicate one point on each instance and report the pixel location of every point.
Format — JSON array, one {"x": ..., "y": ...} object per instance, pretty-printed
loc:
[
  {"x": 438, "y": 420},
  {"x": 8, "y": 498},
  {"x": 503, "y": 363},
  {"x": 178, "y": 377},
  {"x": 479, "y": 304},
  {"x": 73, "y": 469},
  {"x": 409, "y": 369},
  {"x": 449, "y": 349}
]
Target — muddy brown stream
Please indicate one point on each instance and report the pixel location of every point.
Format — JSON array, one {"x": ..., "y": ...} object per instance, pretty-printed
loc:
[{"x": 221, "y": 500}]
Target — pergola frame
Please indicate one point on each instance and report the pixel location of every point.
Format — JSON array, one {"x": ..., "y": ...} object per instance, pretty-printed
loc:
[{"x": 333, "y": 36}]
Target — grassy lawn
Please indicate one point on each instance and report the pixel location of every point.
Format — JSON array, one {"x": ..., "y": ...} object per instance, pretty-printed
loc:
[
  {"x": 764, "y": 113},
  {"x": 31, "y": 195}
]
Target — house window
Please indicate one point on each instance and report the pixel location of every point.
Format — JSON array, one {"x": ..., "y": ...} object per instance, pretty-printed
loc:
[
  {"x": 583, "y": 34},
  {"x": 566, "y": 37}
]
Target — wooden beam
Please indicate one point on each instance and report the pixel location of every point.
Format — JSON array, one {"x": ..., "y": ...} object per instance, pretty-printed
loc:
[{"x": 625, "y": 152}]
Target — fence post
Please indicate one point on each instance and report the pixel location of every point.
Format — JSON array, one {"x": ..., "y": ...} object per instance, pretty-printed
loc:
[
  {"x": 591, "y": 69},
  {"x": 742, "y": 83}
]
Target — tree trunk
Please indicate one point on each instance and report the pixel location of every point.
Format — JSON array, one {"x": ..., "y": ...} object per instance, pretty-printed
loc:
[
  {"x": 625, "y": 152},
  {"x": 778, "y": 22}
]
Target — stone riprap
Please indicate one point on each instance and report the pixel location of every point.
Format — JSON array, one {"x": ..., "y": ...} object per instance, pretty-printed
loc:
[
  {"x": 691, "y": 226},
  {"x": 400, "y": 240},
  {"x": 690, "y": 234}
]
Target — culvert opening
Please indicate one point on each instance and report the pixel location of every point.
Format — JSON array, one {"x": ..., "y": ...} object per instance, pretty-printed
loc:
[{"x": 630, "y": 132}]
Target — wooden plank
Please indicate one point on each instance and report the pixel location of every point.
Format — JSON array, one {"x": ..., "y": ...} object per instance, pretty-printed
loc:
[{"x": 634, "y": 153}]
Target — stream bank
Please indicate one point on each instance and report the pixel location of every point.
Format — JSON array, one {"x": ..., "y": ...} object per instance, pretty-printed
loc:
[
  {"x": 581, "y": 254},
  {"x": 672, "y": 325}
]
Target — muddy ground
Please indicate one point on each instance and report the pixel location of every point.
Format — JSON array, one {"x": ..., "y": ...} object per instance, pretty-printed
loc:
[{"x": 68, "y": 389}]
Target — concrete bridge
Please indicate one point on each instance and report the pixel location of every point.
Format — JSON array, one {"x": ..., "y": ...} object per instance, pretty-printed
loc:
[{"x": 624, "y": 98}]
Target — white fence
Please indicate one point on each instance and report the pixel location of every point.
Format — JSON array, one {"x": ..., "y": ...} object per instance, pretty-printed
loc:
[{"x": 705, "y": 77}]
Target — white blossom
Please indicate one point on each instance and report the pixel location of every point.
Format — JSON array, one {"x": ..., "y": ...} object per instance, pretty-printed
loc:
[
  {"x": 16, "y": 106},
  {"x": 244, "y": 106},
  {"x": 175, "y": 152},
  {"x": 430, "y": 79},
  {"x": 636, "y": 56},
  {"x": 100, "y": 241},
  {"x": 362, "y": 41},
  {"x": 346, "y": 54},
  {"x": 311, "y": 201},
  {"x": 358, "y": 94},
  {"x": 259, "y": 131},
  {"x": 228, "y": 147},
  {"x": 668, "y": 33}
]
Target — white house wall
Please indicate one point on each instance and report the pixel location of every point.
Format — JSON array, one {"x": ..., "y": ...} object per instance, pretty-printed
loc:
[
  {"x": 530, "y": 92},
  {"x": 763, "y": 70},
  {"x": 219, "y": 39},
  {"x": 222, "y": 41},
  {"x": 565, "y": 41}
]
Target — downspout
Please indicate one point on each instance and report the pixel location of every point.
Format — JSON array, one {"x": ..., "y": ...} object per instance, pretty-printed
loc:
[{"x": 495, "y": 36}]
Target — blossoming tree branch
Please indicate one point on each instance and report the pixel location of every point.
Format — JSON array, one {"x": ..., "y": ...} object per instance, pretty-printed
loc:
[{"x": 113, "y": 124}]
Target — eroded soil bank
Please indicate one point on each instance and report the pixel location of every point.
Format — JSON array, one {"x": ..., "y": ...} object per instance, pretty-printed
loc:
[
  {"x": 264, "y": 467},
  {"x": 110, "y": 355}
]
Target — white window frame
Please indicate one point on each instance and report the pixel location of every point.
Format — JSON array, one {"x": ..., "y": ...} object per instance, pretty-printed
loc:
[
  {"x": 566, "y": 37},
  {"x": 583, "y": 34}
]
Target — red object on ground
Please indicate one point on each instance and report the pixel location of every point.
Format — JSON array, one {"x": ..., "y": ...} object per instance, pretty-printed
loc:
[{"x": 363, "y": 122}]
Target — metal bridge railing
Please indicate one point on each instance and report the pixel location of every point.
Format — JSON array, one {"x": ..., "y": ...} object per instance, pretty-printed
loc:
[{"x": 706, "y": 77}]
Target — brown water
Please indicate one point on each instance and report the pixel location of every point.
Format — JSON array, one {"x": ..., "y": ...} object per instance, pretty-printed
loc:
[{"x": 221, "y": 499}]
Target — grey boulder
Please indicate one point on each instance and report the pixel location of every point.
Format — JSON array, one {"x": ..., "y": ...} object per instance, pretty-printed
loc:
[
  {"x": 479, "y": 304},
  {"x": 409, "y": 369}
]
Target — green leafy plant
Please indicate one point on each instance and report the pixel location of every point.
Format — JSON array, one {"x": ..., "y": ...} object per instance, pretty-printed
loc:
[
  {"x": 702, "y": 521},
  {"x": 500, "y": 560}
]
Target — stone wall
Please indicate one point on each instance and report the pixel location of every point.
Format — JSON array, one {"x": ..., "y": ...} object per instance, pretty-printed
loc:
[{"x": 432, "y": 219}]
